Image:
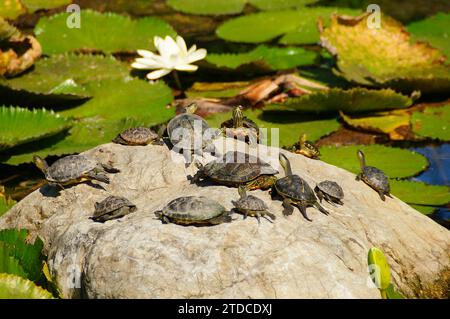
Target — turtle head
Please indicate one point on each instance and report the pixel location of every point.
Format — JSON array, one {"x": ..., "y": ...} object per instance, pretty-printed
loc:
[
  {"x": 285, "y": 164},
  {"x": 362, "y": 159},
  {"x": 238, "y": 116},
  {"x": 242, "y": 192},
  {"x": 302, "y": 139},
  {"x": 159, "y": 214},
  {"x": 191, "y": 108},
  {"x": 40, "y": 163}
]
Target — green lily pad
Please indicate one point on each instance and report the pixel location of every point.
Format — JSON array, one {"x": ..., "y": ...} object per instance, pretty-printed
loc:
[
  {"x": 393, "y": 293},
  {"x": 380, "y": 272},
  {"x": 290, "y": 124},
  {"x": 215, "y": 7},
  {"x": 15, "y": 287},
  {"x": 297, "y": 26},
  {"x": 433, "y": 122},
  {"x": 5, "y": 205},
  {"x": 9, "y": 264},
  {"x": 19, "y": 126},
  {"x": 268, "y": 5},
  {"x": 64, "y": 75},
  {"x": 418, "y": 193},
  {"x": 424, "y": 209},
  {"x": 29, "y": 256},
  {"x": 395, "y": 162},
  {"x": 107, "y": 32},
  {"x": 355, "y": 100},
  {"x": 264, "y": 57},
  {"x": 35, "y": 5},
  {"x": 435, "y": 30},
  {"x": 385, "y": 58},
  {"x": 11, "y": 9},
  {"x": 216, "y": 89}
]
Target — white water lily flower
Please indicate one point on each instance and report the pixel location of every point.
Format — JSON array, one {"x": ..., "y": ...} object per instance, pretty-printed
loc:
[{"x": 173, "y": 55}]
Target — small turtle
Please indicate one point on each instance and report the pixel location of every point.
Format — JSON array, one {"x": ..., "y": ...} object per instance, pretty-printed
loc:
[
  {"x": 193, "y": 210},
  {"x": 235, "y": 169},
  {"x": 240, "y": 127},
  {"x": 250, "y": 205},
  {"x": 112, "y": 207},
  {"x": 330, "y": 191},
  {"x": 373, "y": 177},
  {"x": 190, "y": 132},
  {"x": 295, "y": 191},
  {"x": 306, "y": 148},
  {"x": 73, "y": 169},
  {"x": 137, "y": 136}
]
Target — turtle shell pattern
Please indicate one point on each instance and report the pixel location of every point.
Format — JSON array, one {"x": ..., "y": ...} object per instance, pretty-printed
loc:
[
  {"x": 110, "y": 204},
  {"x": 251, "y": 202},
  {"x": 331, "y": 188},
  {"x": 376, "y": 178},
  {"x": 138, "y": 135},
  {"x": 296, "y": 188},
  {"x": 70, "y": 167},
  {"x": 187, "y": 121},
  {"x": 193, "y": 209}
]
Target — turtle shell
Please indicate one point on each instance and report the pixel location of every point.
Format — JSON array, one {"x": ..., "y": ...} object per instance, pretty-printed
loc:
[
  {"x": 296, "y": 188},
  {"x": 111, "y": 204},
  {"x": 69, "y": 168},
  {"x": 331, "y": 188},
  {"x": 137, "y": 136},
  {"x": 191, "y": 209},
  {"x": 246, "y": 122},
  {"x": 376, "y": 178},
  {"x": 195, "y": 126},
  {"x": 250, "y": 202}
]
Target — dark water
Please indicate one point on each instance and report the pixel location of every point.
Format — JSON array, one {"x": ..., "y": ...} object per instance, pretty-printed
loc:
[{"x": 438, "y": 174}]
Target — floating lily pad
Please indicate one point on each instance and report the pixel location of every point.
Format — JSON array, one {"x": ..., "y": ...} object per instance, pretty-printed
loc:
[
  {"x": 355, "y": 100},
  {"x": 385, "y": 56},
  {"x": 215, "y": 7},
  {"x": 395, "y": 162},
  {"x": 290, "y": 125},
  {"x": 435, "y": 30},
  {"x": 418, "y": 193},
  {"x": 15, "y": 287},
  {"x": 264, "y": 57},
  {"x": 11, "y": 9},
  {"x": 390, "y": 123},
  {"x": 216, "y": 89},
  {"x": 433, "y": 122},
  {"x": 19, "y": 126},
  {"x": 5, "y": 204},
  {"x": 64, "y": 75},
  {"x": 424, "y": 209},
  {"x": 297, "y": 26},
  {"x": 107, "y": 32},
  {"x": 9, "y": 264},
  {"x": 280, "y": 4}
]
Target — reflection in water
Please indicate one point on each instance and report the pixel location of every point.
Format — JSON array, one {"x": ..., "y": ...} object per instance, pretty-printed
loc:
[{"x": 438, "y": 174}]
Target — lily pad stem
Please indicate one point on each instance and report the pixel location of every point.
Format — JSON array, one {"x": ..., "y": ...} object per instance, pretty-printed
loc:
[{"x": 177, "y": 80}]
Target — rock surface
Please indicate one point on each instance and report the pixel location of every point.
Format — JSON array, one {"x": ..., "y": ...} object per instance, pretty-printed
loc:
[{"x": 139, "y": 257}]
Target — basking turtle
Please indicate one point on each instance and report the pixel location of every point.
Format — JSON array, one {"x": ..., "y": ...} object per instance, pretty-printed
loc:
[
  {"x": 73, "y": 169},
  {"x": 236, "y": 169},
  {"x": 330, "y": 191},
  {"x": 137, "y": 136},
  {"x": 190, "y": 132},
  {"x": 240, "y": 127},
  {"x": 112, "y": 207},
  {"x": 306, "y": 148},
  {"x": 295, "y": 191},
  {"x": 250, "y": 205},
  {"x": 193, "y": 210},
  {"x": 373, "y": 177}
]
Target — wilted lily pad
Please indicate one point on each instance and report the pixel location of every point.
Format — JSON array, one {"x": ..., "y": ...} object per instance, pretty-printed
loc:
[
  {"x": 18, "y": 125},
  {"x": 107, "y": 32},
  {"x": 385, "y": 56},
  {"x": 15, "y": 287},
  {"x": 435, "y": 30},
  {"x": 395, "y": 162},
  {"x": 35, "y": 5},
  {"x": 433, "y": 122},
  {"x": 418, "y": 193},
  {"x": 296, "y": 26},
  {"x": 11, "y": 9},
  {"x": 64, "y": 75},
  {"x": 264, "y": 57},
  {"x": 355, "y": 100}
]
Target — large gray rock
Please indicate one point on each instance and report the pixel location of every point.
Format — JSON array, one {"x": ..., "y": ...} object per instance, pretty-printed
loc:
[{"x": 139, "y": 257}]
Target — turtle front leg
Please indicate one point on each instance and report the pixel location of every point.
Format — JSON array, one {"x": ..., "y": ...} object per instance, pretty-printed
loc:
[
  {"x": 288, "y": 208},
  {"x": 98, "y": 177},
  {"x": 358, "y": 177},
  {"x": 321, "y": 209},
  {"x": 302, "y": 208},
  {"x": 380, "y": 192},
  {"x": 319, "y": 195},
  {"x": 109, "y": 168}
]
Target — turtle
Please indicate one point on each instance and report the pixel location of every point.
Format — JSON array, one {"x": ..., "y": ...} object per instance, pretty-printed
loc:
[
  {"x": 250, "y": 205},
  {"x": 306, "y": 148},
  {"x": 190, "y": 132},
  {"x": 373, "y": 177},
  {"x": 330, "y": 191},
  {"x": 138, "y": 136},
  {"x": 240, "y": 127},
  {"x": 112, "y": 207},
  {"x": 236, "y": 169},
  {"x": 194, "y": 210},
  {"x": 295, "y": 191},
  {"x": 73, "y": 169}
]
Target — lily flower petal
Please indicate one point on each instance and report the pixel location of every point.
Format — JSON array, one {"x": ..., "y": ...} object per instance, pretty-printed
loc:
[
  {"x": 145, "y": 53},
  {"x": 192, "y": 49},
  {"x": 158, "y": 74},
  {"x": 150, "y": 63},
  {"x": 186, "y": 67},
  {"x": 197, "y": 55},
  {"x": 181, "y": 45}
]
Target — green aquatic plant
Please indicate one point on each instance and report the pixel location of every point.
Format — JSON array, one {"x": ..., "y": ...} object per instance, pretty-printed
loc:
[
  {"x": 16, "y": 287},
  {"x": 432, "y": 123},
  {"x": 5, "y": 204}
]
